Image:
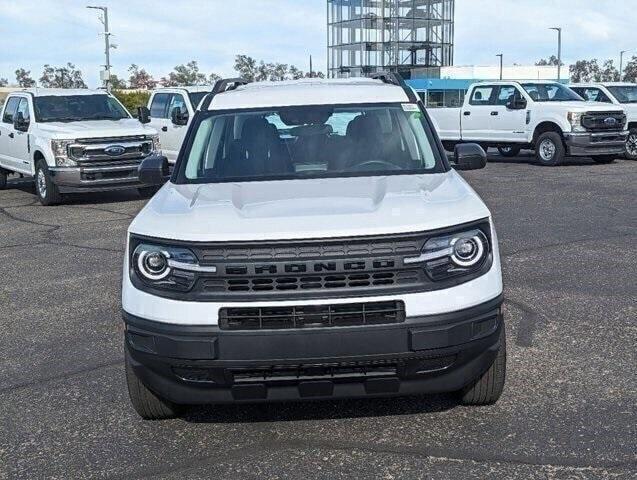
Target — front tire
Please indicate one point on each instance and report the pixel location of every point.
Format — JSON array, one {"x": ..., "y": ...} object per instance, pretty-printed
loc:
[
  {"x": 147, "y": 404},
  {"x": 604, "y": 159},
  {"x": 549, "y": 149},
  {"x": 631, "y": 145},
  {"x": 47, "y": 191},
  {"x": 487, "y": 389},
  {"x": 509, "y": 151}
]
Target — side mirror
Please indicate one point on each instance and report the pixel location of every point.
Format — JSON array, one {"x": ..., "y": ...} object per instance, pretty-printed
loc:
[
  {"x": 517, "y": 104},
  {"x": 177, "y": 117},
  {"x": 19, "y": 123},
  {"x": 154, "y": 170},
  {"x": 143, "y": 115},
  {"x": 469, "y": 156}
]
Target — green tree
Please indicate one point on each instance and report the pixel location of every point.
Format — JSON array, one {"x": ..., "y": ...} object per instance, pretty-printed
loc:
[
  {"x": 630, "y": 71},
  {"x": 183, "y": 75},
  {"x": 609, "y": 73},
  {"x": 4, "y": 82},
  {"x": 117, "y": 83},
  {"x": 212, "y": 78},
  {"x": 62, "y": 77},
  {"x": 295, "y": 73},
  {"x": 551, "y": 61},
  {"x": 140, "y": 78},
  {"x": 585, "y": 71},
  {"x": 132, "y": 100},
  {"x": 23, "y": 78},
  {"x": 246, "y": 67}
]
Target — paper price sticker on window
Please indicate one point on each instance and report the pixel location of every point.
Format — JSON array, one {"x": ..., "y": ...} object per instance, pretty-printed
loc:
[{"x": 410, "y": 107}]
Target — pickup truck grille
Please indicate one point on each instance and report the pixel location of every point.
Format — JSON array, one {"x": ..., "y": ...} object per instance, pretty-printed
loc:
[
  {"x": 602, "y": 121},
  {"x": 110, "y": 150}
]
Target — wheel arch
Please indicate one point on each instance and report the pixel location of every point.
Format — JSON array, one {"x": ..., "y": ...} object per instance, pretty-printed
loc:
[{"x": 547, "y": 126}]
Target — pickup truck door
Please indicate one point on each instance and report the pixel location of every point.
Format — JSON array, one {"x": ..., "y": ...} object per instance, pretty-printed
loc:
[
  {"x": 158, "y": 106},
  {"x": 8, "y": 135},
  {"x": 476, "y": 115},
  {"x": 507, "y": 124},
  {"x": 176, "y": 133}
]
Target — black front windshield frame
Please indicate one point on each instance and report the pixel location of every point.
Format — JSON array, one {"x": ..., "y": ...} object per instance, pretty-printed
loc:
[
  {"x": 178, "y": 177},
  {"x": 563, "y": 93},
  {"x": 77, "y": 108}
]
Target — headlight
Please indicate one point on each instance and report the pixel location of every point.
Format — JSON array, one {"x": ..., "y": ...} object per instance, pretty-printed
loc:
[
  {"x": 455, "y": 254},
  {"x": 60, "y": 150},
  {"x": 165, "y": 267},
  {"x": 575, "y": 119},
  {"x": 156, "y": 143}
]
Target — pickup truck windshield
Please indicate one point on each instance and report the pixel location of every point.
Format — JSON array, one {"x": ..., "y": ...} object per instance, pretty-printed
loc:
[
  {"x": 76, "y": 108},
  {"x": 551, "y": 92},
  {"x": 624, "y": 94},
  {"x": 310, "y": 142},
  {"x": 196, "y": 98}
]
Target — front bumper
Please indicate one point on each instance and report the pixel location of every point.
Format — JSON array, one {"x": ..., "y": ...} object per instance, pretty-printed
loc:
[
  {"x": 425, "y": 354},
  {"x": 591, "y": 144},
  {"x": 95, "y": 178}
]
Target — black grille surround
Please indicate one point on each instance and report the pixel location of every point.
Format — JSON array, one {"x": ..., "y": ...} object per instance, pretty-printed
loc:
[
  {"x": 604, "y": 121},
  {"x": 310, "y": 269}
]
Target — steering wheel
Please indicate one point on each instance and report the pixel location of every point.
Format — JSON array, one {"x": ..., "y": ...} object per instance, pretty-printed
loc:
[{"x": 374, "y": 165}]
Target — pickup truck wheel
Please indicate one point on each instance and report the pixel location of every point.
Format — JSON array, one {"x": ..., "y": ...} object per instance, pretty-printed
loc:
[
  {"x": 3, "y": 179},
  {"x": 549, "y": 149},
  {"x": 487, "y": 388},
  {"x": 148, "y": 405},
  {"x": 604, "y": 159},
  {"x": 509, "y": 151},
  {"x": 147, "y": 192},
  {"x": 631, "y": 144},
  {"x": 47, "y": 191}
]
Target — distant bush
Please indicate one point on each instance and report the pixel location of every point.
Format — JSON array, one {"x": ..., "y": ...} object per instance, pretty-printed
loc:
[{"x": 132, "y": 99}]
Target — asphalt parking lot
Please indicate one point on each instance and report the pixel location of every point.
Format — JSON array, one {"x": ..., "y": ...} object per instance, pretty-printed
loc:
[{"x": 568, "y": 237}]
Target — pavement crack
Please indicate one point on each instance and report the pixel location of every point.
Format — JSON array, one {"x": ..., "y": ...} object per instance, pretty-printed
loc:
[{"x": 528, "y": 323}]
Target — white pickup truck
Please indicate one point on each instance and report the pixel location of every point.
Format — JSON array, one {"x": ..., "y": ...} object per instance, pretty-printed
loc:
[
  {"x": 170, "y": 111},
  {"x": 72, "y": 141},
  {"x": 622, "y": 94},
  {"x": 545, "y": 116}
]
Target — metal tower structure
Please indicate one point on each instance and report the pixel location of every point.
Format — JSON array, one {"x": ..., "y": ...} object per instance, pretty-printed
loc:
[{"x": 366, "y": 36}]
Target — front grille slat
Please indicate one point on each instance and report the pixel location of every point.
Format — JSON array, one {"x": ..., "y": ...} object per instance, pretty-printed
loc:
[
  {"x": 312, "y": 316},
  {"x": 599, "y": 121}
]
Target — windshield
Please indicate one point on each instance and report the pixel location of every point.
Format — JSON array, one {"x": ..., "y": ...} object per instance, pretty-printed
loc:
[
  {"x": 625, "y": 94},
  {"x": 196, "y": 98},
  {"x": 551, "y": 92},
  {"x": 73, "y": 108},
  {"x": 310, "y": 142}
]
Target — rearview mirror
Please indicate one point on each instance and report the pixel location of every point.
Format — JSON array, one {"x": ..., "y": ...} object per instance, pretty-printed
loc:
[
  {"x": 19, "y": 123},
  {"x": 143, "y": 115},
  {"x": 469, "y": 156},
  {"x": 517, "y": 104},
  {"x": 179, "y": 118},
  {"x": 154, "y": 170}
]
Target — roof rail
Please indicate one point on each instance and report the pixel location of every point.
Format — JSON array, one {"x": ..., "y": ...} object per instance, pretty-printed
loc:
[
  {"x": 223, "y": 85},
  {"x": 393, "y": 78}
]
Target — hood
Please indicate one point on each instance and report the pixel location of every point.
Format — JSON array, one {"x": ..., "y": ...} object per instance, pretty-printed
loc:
[
  {"x": 588, "y": 106},
  {"x": 307, "y": 209},
  {"x": 95, "y": 128}
]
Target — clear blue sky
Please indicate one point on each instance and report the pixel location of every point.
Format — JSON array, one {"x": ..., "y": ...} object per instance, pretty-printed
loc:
[{"x": 159, "y": 34}]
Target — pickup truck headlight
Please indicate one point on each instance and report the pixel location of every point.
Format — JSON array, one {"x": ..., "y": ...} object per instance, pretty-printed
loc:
[
  {"x": 455, "y": 254},
  {"x": 60, "y": 150},
  {"x": 575, "y": 119}
]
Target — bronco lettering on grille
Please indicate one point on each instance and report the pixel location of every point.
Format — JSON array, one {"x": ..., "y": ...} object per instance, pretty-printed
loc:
[{"x": 348, "y": 266}]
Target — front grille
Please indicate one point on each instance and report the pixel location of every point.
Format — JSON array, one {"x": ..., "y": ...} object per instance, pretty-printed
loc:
[
  {"x": 312, "y": 316},
  {"x": 600, "y": 121},
  {"x": 93, "y": 151}
]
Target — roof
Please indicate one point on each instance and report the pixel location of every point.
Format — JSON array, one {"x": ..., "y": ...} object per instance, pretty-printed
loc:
[
  {"x": 311, "y": 91},
  {"x": 520, "y": 82},
  {"x": 188, "y": 88},
  {"x": 603, "y": 84},
  {"x": 60, "y": 92}
]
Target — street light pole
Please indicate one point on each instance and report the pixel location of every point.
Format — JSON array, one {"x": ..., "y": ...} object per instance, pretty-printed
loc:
[
  {"x": 621, "y": 64},
  {"x": 559, "y": 51},
  {"x": 107, "y": 46},
  {"x": 501, "y": 63}
]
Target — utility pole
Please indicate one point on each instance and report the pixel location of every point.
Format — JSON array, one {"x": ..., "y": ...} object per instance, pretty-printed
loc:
[
  {"x": 311, "y": 69},
  {"x": 106, "y": 78},
  {"x": 559, "y": 51},
  {"x": 621, "y": 64},
  {"x": 501, "y": 63}
]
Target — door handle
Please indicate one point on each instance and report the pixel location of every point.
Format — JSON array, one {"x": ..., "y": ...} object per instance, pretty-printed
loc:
[
  {"x": 11, "y": 135},
  {"x": 494, "y": 114},
  {"x": 164, "y": 129},
  {"x": 466, "y": 114}
]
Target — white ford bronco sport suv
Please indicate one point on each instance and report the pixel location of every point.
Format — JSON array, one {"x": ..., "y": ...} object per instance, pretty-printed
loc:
[
  {"x": 313, "y": 242},
  {"x": 544, "y": 116},
  {"x": 72, "y": 141}
]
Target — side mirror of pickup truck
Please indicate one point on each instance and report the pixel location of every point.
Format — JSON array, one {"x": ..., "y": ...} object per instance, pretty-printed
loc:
[
  {"x": 469, "y": 156},
  {"x": 19, "y": 123},
  {"x": 153, "y": 170},
  {"x": 517, "y": 104},
  {"x": 178, "y": 117},
  {"x": 143, "y": 115}
]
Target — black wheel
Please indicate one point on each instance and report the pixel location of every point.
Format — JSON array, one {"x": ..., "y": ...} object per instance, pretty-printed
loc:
[
  {"x": 47, "y": 191},
  {"x": 509, "y": 151},
  {"x": 148, "y": 405},
  {"x": 487, "y": 388},
  {"x": 604, "y": 158},
  {"x": 3, "y": 179},
  {"x": 631, "y": 145},
  {"x": 147, "y": 192},
  {"x": 549, "y": 149}
]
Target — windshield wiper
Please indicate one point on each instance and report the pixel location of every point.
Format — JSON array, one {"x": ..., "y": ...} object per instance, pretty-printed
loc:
[{"x": 61, "y": 119}]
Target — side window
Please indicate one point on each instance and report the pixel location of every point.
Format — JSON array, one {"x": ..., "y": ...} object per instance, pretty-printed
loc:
[
  {"x": 9, "y": 111},
  {"x": 594, "y": 95},
  {"x": 482, "y": 96},
  {"x": 506, "y": 94},
  {"x": 177, "y": 100},
  {"x": 158, "y": 108},
  {"x": 23, "y": 108}
]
